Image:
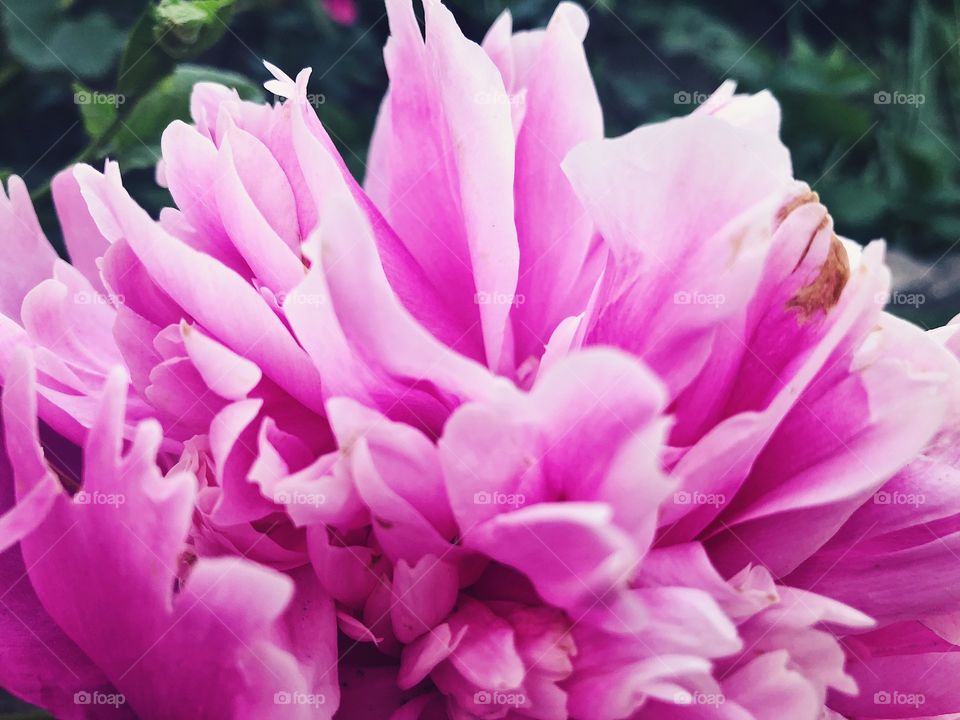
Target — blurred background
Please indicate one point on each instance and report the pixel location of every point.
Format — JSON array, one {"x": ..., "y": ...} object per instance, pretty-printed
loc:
[{"x": 870, "y": 93}]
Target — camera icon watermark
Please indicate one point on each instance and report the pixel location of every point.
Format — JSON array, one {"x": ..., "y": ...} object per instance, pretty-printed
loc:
[
  {"x": 499, "y": 498},
  {"x": 285, "y": 697},
  {"x": 487, "y": 298},
  {"x": 313, "y": 99},
  {"x": 499, "y": 698},
  {"x": 685, "y": 97},
  {"x": 484, "y": 97},
  {"x": 86, "y": 497},
  {"x": 684, "y": 297},
  {"x": 885, "y": 497},
  {"x": 84, "y": 297},
  {"x": 685, "y": 497},
  {"x": 299, "y": 498},
  {"x": 895, "y": 97},
  {"x": 285, "y": 299},
  {"x": 895, "y": 697},
  {"x": 92, "y": 97},
  {"x": 914, "y": 300},
  {"x": 96, "y": 697},
  {"x": 699, "y": 698}
]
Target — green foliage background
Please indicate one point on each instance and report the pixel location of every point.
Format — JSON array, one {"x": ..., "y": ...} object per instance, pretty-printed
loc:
[{"x": 885, "y": 170}]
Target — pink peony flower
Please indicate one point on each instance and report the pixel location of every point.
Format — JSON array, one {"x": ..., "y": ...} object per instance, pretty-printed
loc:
[
  {"x": 343, "y": 11},
  {"x": 535, "y": 424}
]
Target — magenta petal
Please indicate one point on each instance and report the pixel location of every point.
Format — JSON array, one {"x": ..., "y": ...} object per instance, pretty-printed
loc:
[
  {"x": 258, "y": 210},
  {"x": 904, "y": 671},
  {"x": 556, "y": 233},
  {"x": 486, "y": 655},
  {"x": 425, "y": 594},
  {"x": 312, "y": 626},
  {"x": 24, "y": 517},
  {"x": 233, "y": 437},
  {"x": 570, "y": 551},
  {"x": 390, "y": 342},
  {"x": 27, "y": 258},
  {"x": 516, "y": 449},
  {"x": 346, "y": 573},
  {"x": 218, "y": 298},
  {"x": 769, "y": 685},
  {"x": 734, "y": 444},
  {"x": 126, "y": 530},
  {"x": 190, "y": 162},
  {"x": 850, "y": 427},
  {"x": 422, "y": 655},
  {"x": 229, "y": 375},
  {"x": 40, "y": 663},
  {"x": 454, "y": 211}
]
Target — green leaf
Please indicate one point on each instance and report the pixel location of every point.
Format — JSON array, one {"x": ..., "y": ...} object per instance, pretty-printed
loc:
[
  {"x": 185, "y": 28},
  {"x": 144, "y": 62},
  {"x": 25, "y": 24},
  {"x": 97, "y": 110},
  {"x": 88, "y": 46},
  {"x": 43, "y": 38},
  {"x": 171, "y": 31},
  {"x": 137, "y": 142}
]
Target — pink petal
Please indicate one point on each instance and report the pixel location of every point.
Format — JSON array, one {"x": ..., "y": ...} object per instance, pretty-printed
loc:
[
  {"x": 27, "y": 258},
  {"x": 570, "y": 551},
  {"x": 850, "y": 426},
  {"x": 675, "y": 202},
  {"x": 214, "y": 295},
  {"x": 110, "y": 586},
  {"x": 258, "y": 210},
  {"x": 425, "y": 594},
  {"x": 84, "y": 241},
  {"x": 423, "y": 375},
  {"x": 453, "y": 210},
  {"x": 556, "y": 233}
]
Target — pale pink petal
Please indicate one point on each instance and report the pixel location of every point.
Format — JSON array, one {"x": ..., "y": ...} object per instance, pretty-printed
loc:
[
  {"x": 216, "y": 297},
  {"x": 759, "y": 112},
  {"x": 442, "y": 171},
  {"x": 683, "y": 207},
  {"x": 85, "y": 243},
  {"x": 425, "y": 594},
  {"x": 422, "y": 375},
  {"x": 258, "y": 210},
  {"x": 26, "y": 258},
  {"x": 556, "y": 232}
]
